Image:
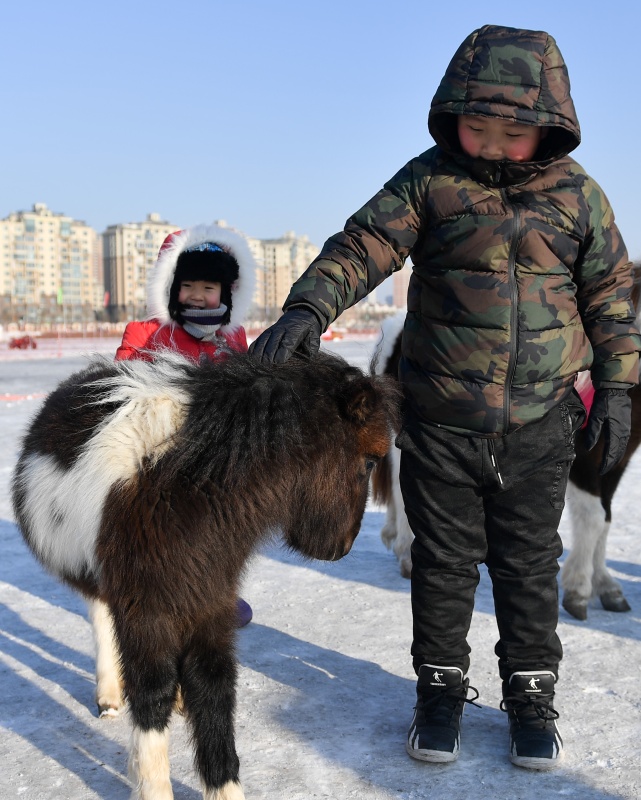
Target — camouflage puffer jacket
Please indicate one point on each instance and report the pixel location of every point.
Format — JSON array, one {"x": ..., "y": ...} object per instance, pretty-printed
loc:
[{"x": 520, "y": 277}]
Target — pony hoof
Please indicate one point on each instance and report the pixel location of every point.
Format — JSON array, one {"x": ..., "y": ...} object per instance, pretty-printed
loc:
[
  {"x": 387, "y": 537},
  {"x": 108, "y": 712},
  {"x": 614, "y": 601},
  {"x": 406, "y": 569},
  {"x": 576, "y": 606}
]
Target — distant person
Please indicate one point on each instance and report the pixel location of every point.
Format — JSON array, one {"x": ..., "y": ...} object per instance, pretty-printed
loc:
[
  {"x": 197, "y": 295},
  {"x": 520, "y": 281}
]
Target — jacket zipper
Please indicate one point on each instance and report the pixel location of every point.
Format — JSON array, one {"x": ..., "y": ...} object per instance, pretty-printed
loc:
[{"x": 511, "y": 277}]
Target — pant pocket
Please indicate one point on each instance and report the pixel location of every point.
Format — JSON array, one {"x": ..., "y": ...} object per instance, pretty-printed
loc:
[
  {"x": 573, "y": 415},
  {"x": 560, "y": 485}
]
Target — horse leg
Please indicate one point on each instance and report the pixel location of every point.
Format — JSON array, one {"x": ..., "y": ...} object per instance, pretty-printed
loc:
[
  {"x": 604, "y": 585},
  {"x": 148, "y": 766},
  {"x": 607, "y": 589},
  {"x": 208, "y": 684},
  {"x": 150, "y": 677},
  {"x": 588, "y": 523},
  {"x": 404, "y": 536},
  {"x": 388, "y": 531},
  {"x": 108, "y": 678}
]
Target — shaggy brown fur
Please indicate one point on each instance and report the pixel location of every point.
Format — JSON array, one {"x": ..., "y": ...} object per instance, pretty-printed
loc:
[{"x": 190, "y": 467}]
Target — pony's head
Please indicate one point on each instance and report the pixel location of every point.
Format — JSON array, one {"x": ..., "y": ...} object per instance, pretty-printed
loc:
[{"x": 356, "y": 415}]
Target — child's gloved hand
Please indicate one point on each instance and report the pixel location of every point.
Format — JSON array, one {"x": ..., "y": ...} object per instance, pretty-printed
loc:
[
  {"x": 611, "y": 412},
  {"x": 298, "y": 330}
]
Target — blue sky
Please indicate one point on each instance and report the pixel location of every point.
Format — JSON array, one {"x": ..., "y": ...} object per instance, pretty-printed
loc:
[{"x": 275, "y": 115}]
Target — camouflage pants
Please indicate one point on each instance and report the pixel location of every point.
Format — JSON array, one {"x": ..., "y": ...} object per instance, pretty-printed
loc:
[{"x": 471, "y": 500}]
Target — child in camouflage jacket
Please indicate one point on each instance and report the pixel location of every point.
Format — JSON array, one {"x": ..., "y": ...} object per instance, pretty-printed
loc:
[{"x": 520, "y": 281}]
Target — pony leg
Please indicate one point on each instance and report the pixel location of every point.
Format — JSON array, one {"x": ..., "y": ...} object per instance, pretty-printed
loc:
[
  {"x": 388, "y": 531},
  {"x": 604, "y": 585},
  {"x": 108, "y": 678},
  {"x": 208, "y": 684},
  {"x": 588, "y": 528},
  {"x": 149, "y": 765},
  {"x": 150, "y": 676},
  {"x": 231, "y": 791},
  {"x": 404, "y": 536}
]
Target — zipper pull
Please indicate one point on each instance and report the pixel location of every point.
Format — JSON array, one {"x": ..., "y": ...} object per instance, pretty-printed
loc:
[{"x": 495, "y": 463}]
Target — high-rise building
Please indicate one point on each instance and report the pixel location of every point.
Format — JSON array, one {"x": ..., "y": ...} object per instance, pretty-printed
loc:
[
  {"x": 130, "y": 249},
  {"x": 49, "y": 268},
  {"x": 283, "y": 261},
  {"x": 54, "y": 268},
  {"x": 400, "y": 283}
]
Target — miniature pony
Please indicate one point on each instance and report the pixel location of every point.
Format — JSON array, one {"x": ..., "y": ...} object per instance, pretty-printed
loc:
[{"x": 147, "y": 486}]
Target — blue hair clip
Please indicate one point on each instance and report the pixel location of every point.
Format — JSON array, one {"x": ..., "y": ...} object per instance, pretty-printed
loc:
[{"x": 205, "y": 247}]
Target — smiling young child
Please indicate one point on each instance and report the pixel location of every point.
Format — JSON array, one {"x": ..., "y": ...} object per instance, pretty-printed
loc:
[{"x": 197, "y": 295}]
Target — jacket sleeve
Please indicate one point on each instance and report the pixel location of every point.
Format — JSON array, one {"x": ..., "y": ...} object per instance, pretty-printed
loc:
[
  {"x": 237, "y": 340},
  {"x": 604, "y": 280},
  {"x": 375, "y": 242},
  {"x": 134, "y": 340}
]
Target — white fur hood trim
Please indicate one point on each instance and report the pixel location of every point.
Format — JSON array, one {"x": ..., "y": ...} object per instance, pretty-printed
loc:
[{"x": 161, "y": 277}]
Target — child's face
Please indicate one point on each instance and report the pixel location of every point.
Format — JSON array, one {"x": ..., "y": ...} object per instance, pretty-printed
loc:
[
  {"x": 498, "y": 139},
  {"x": 199, "y": 294}
]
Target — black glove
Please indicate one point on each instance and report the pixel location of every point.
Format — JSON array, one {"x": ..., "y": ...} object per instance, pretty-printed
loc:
[
  {"x": 611, "y": 411},
  {"x": 298, "y": 330}
]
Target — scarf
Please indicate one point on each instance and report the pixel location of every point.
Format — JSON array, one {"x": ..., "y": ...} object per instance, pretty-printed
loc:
[{"x": 202, "y": 323}]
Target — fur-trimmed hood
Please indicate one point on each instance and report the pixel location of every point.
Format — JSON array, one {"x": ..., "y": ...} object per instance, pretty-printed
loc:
[{"x": 161, "y": 277}]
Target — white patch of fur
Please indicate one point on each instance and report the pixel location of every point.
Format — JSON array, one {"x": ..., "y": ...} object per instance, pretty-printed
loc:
[
  {"x": 108, "y": 676},
  {"x": 64, "y": 507},
  {"x": 161, "y": 277},
  {"x": 390, "y": 329},
  {"x": 585, "y": 571},
  {"x": 397, "y": 534},
  {"x": 149, "y": 765},
  {"x": 230, "y": 791},
  {"x": 589, "y": 528}
]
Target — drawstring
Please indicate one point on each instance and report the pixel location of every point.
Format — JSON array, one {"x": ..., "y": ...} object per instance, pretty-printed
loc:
[{"x": 494, "y": 461}]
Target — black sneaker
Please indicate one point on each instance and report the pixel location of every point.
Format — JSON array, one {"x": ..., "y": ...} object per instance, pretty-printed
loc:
[
  {"x": 535, "y": 742},
  {"x": 435, "y": 732}
]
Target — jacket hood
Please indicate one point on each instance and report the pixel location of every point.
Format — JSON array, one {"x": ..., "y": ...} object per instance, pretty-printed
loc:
[
  {"x": 161, "y": 277},
  {"x": 512, "y": 74}
]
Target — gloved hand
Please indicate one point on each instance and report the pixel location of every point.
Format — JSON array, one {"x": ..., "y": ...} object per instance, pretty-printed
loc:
[
  {"x": 298, "y": 330},
  {"x": 611, "y": 412}
]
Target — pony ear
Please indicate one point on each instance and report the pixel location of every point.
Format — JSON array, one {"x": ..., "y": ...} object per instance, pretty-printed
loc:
[{"x": 361, "y": 402}]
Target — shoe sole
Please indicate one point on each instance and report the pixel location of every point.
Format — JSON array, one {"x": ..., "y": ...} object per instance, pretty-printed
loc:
[
  {"x": 434, "y": 756},
  {"x": 536, "y": 763}
]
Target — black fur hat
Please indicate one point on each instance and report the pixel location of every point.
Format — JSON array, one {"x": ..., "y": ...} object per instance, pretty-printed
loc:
[{"x": 205, "y": 262}]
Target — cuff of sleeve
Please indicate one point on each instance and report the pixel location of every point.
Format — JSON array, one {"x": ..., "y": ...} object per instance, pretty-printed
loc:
[{"x": 612, "y": 385}]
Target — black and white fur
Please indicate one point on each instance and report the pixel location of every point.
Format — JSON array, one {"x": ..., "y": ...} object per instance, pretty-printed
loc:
[{"x": 147, "y": 487}]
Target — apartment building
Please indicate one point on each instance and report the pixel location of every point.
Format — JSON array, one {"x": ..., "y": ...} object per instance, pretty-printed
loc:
[
  {"x": 280, "y": 261},
  {"x": 129, "y": 251},
  {"x": 283, "y": 260},
  {"x": 50, "y": 267},
  {"x": 54, "y": 268},
  {"x": 400, "y": 284}
]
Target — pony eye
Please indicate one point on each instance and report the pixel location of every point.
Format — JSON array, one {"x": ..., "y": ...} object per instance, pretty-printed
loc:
[{"x": 370, "y": 463}]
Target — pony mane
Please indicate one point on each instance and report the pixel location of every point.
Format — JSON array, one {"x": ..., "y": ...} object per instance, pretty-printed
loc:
[{"x": 238, "y": 410}]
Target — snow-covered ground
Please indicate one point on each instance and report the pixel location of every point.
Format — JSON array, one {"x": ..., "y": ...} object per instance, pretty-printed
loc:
[{"x": 326, "y": 686}]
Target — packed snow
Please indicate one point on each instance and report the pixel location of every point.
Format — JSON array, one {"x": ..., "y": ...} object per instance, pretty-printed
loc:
[{"x": 326, "y": 687}]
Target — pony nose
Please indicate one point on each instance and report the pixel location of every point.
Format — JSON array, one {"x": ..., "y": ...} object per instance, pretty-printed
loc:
[{"x": 341, "y": 552}]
